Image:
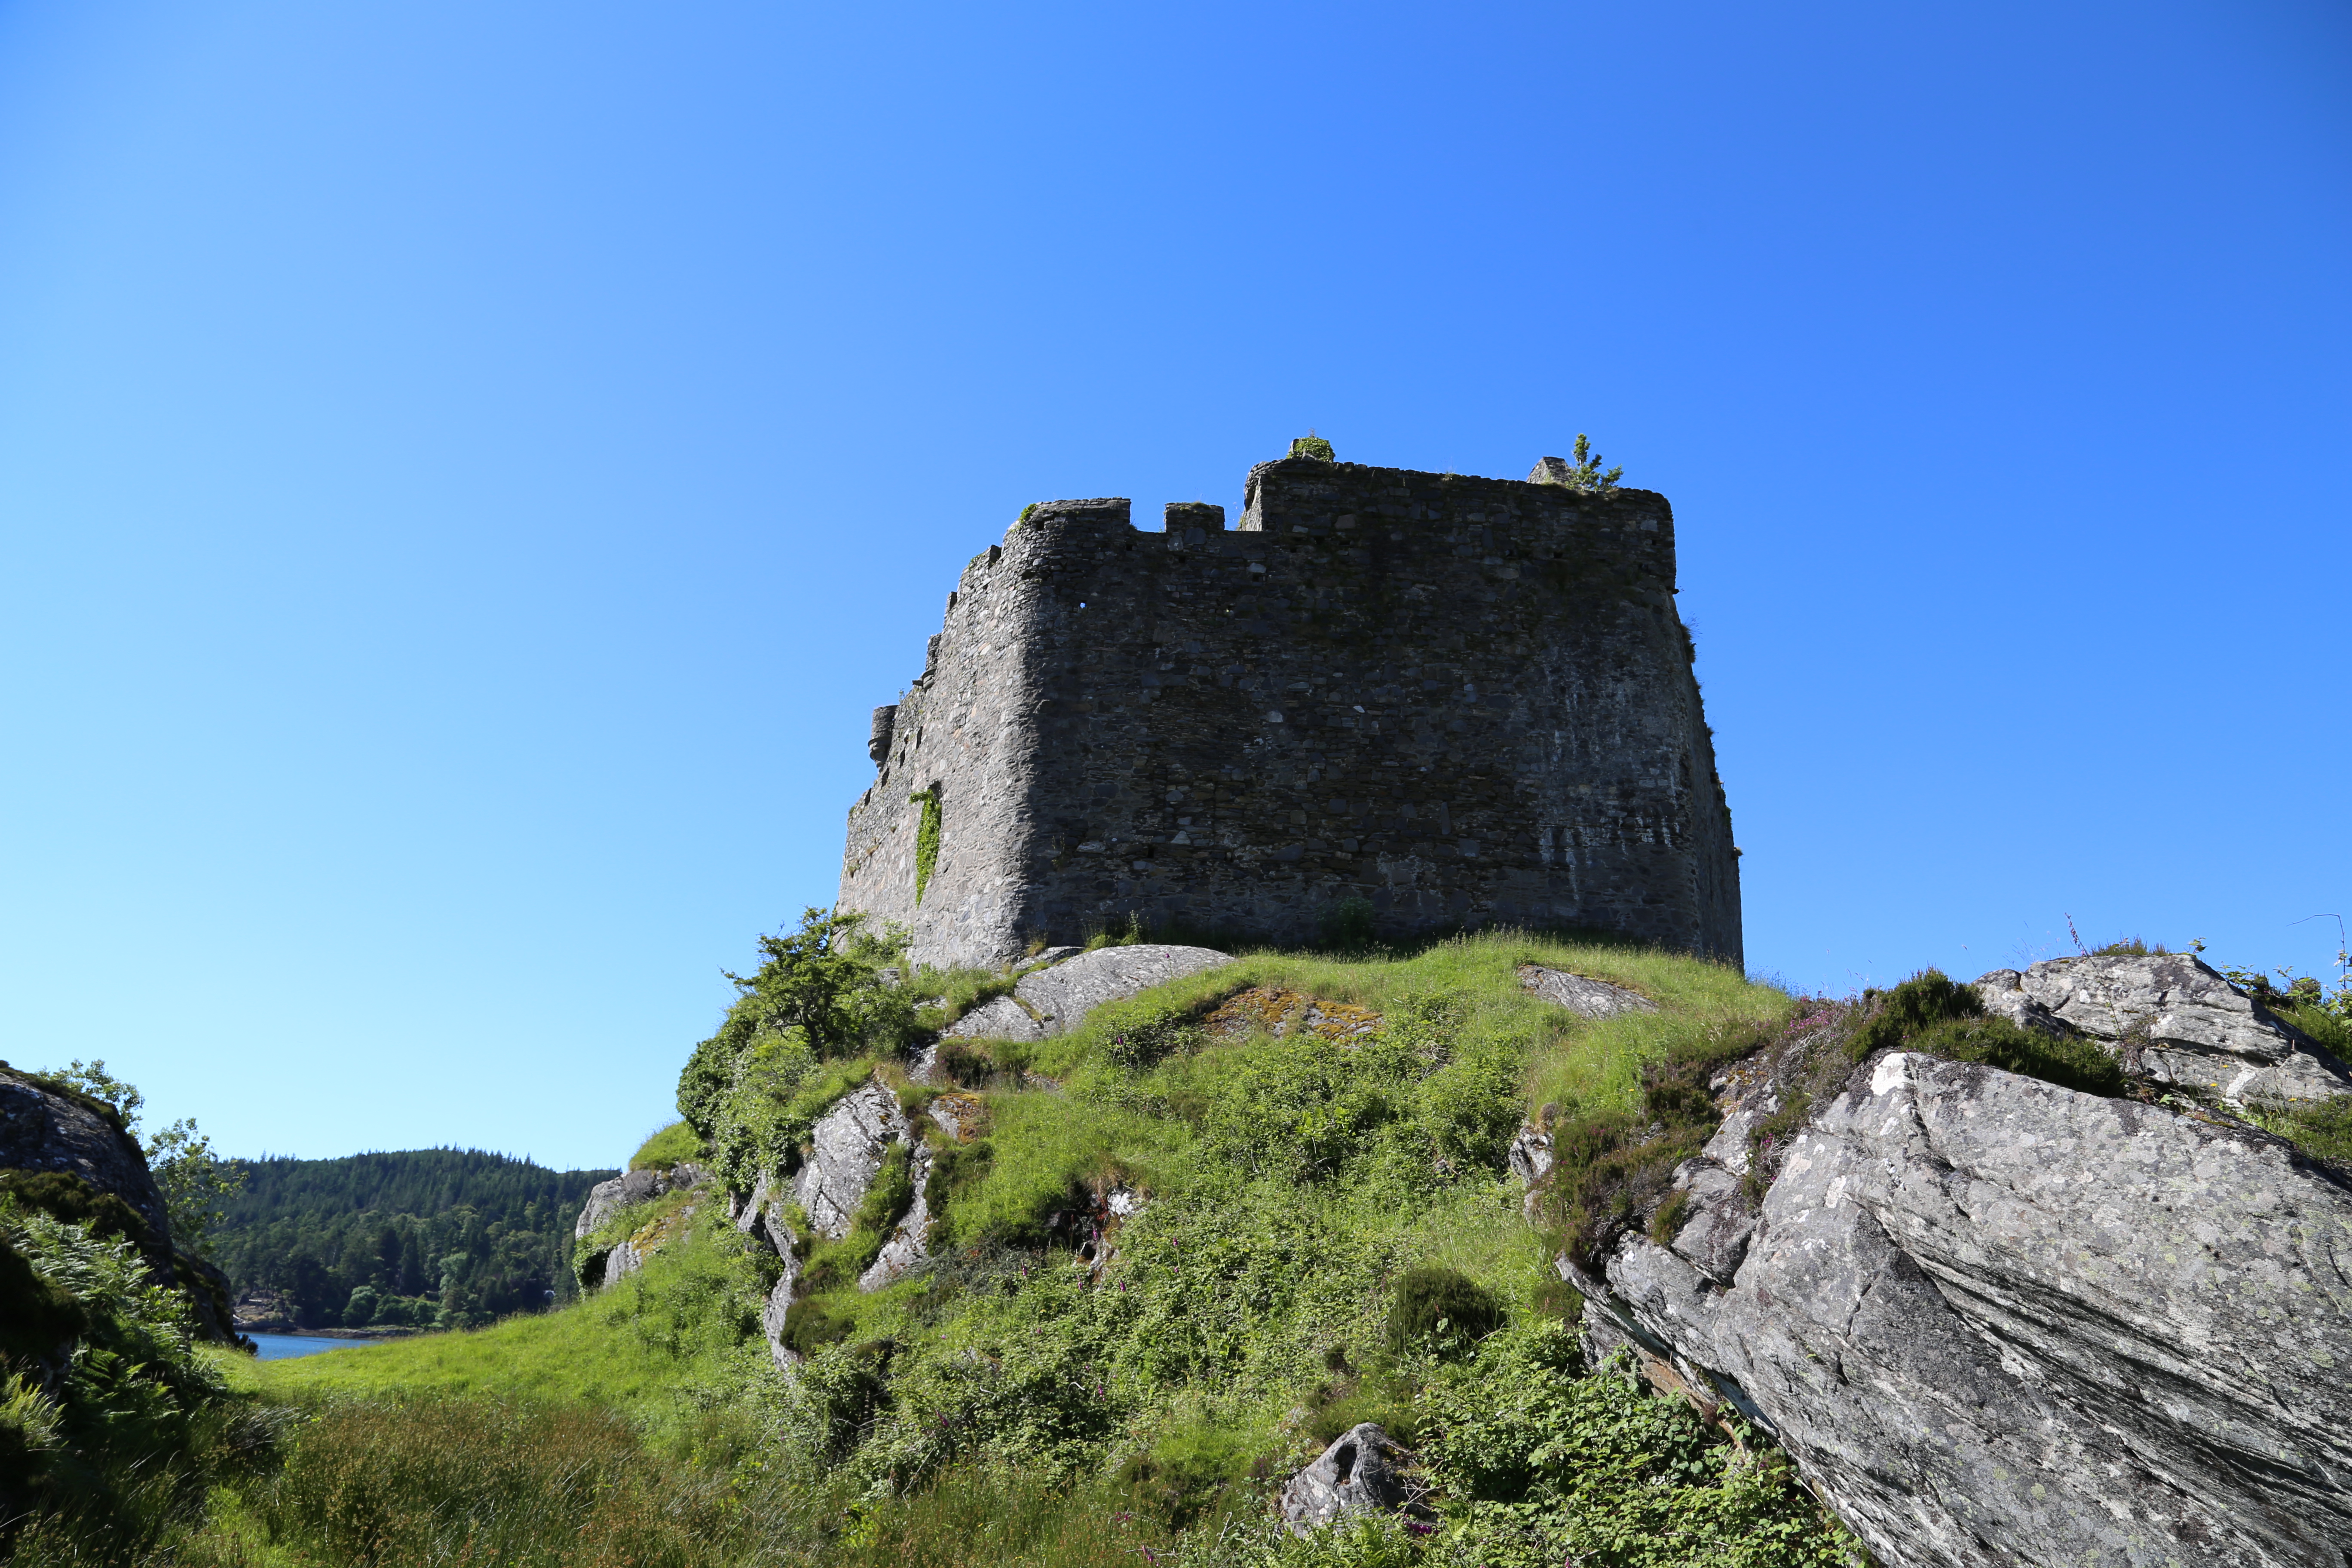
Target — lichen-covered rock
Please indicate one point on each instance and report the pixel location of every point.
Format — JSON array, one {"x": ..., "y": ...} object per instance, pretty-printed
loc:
[
  {"x": 1062, "y": 996},
  {"x": 1593, "y": 998},
  {"x": 606, "y": 1199},
  {"x": 998, "y": 1018},
  {"x": 2176, "y": 1021},
  {"x": 71, "y": 1155},
  {"x": 2004, "y": 995},
  {"x": 1530, "y": 1155},
  {"x": 1362, "y": 1472},
  {"x": 622, "y": 1261},
  {"x": 845, "y": 1149},
  {"x": 959, "y": 1116},
  {"x": 1998, "y": 1321}
]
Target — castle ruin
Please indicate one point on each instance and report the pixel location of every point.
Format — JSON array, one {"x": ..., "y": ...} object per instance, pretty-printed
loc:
[{"x": 1463, "y": 701}]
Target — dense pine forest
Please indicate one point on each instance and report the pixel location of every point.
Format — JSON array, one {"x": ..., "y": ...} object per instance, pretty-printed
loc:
[{"x": 447, "y": 1237}]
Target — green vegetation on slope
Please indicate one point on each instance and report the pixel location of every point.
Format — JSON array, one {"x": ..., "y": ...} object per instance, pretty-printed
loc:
[
  {"x": 436, "y": 1236},
  {"x": 666, "y": 1147},
  {"x": 108, "y": 1414},
  {"x": 1328, "y": 1235}
]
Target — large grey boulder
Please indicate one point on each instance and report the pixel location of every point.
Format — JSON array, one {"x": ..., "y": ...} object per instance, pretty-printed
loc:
[
  {"x": 847, "y": 1148},
  {"x": 1593, "y": 998},
  {"x": 1997, "y": 1322},
  {"x": 1062, "y": 996},
  {"x": 1056, "y": 997},
  {"x": 2174, "y": 1020},
  {"x": 998, "y": 1018},
  {"x": 1363, "y": 1471}
]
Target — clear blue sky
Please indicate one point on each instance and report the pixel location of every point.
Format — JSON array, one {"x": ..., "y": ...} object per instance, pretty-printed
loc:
[{"x": 466, "y": 472}]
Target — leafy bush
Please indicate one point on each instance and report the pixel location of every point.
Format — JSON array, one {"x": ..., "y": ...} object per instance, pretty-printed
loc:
[
  {"x": 1893, "y": 1018},
  {"x": 828, "y": 996},
  {"x": 1541, "y": 1464},
  {"x": 1440, "y": 1308},
  {"x": 105, "y": 1405},
  {"x": 1312, "y": 445}
]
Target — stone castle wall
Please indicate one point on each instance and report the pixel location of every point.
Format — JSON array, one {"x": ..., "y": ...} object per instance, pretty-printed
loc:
[{"x": 1468, "y": 701}]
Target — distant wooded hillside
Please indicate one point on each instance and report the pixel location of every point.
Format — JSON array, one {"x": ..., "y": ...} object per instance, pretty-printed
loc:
[{"x": 445, "y": 1236}]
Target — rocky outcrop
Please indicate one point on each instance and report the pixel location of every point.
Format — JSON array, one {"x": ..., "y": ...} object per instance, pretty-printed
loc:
[
  {"x": 72, "y": 1157},
  {"x": 1530, "y": 1155},
  {"x": 1056, "y": 1000},
  {"x": 2174, "y": 1021},
  {"x": 1062, "y": 995},
  {"x": 1998, "y": 1321},
  {"x": 1593, "y": 998},
  {"x": 909, "y": 1242},
  {"x": 264, "y": 1309},
  {"x": 998, "y": 1018},
  {"x": 1363, "y": 1471},
  {"x": 847, "y": 1148},
  {"x": 606, "y": 1199},
  {"x": 762, "y": 1218}
]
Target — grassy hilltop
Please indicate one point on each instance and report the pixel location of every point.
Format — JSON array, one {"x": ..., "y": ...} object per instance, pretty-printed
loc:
[{"x": 1328, "y": 1236}]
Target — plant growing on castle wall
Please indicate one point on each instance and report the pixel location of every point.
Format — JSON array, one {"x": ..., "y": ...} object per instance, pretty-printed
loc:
[
  {"x": 927, "y": 838},
  {"x": 1587, "y": 475},
  {"x": 1312, "y": 445}
]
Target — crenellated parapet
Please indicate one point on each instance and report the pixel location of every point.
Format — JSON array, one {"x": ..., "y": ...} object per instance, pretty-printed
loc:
[{"x": 1462, "y": 701}]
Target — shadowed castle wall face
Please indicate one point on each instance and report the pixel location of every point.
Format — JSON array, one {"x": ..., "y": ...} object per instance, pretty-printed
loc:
[{"x": 1468, "y": 701}]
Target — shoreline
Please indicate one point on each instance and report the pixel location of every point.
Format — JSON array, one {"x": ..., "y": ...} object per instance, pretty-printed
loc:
[{"x": 385, "y": 1333}]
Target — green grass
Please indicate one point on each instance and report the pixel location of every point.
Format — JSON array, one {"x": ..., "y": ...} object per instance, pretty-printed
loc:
[
  {"x": 1017, "y": 1402},
  {"x": 666, "y": 1147},
  {"x": 659, "y": 1347}
]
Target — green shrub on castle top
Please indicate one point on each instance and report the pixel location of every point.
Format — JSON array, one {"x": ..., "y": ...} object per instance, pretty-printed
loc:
[
  {"x": 1312, "y": 445},
  {"x": 1586, "y": 473}
]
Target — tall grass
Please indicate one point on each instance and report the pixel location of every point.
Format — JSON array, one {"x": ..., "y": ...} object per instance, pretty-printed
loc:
[{"x": 471, "y": 1482}]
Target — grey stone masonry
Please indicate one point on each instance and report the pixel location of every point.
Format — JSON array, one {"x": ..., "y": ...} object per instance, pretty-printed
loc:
[{"x": 1466, "y": 702}]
